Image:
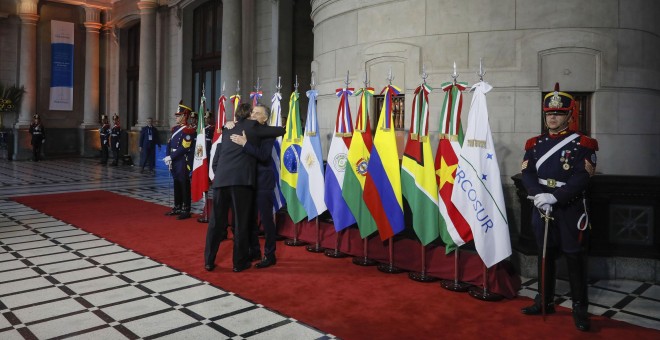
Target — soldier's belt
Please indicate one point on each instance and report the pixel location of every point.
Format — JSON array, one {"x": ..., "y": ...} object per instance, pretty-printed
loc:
[
  {"x": 173, "y": 150},
  {"x": 551, "y": 183}
]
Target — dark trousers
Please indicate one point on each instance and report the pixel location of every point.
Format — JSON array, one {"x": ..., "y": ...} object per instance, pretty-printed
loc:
[
  {"x": 182, "y": 193},
  {"x": 36, "y": 151},
  {"x": 115, "y": 155},
  {"x": 104, "y": 154},
  {"x": 264, "y": 205},
  {"x": 239, "y": 200},
  {"x": 148, "y": 157}
]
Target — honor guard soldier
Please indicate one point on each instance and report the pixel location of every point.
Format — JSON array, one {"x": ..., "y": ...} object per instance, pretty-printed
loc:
[
  {"x": 179, "y": 156},
  {"x": 104, "y": 134},
  {"x": 115, "y": 134},
  {"x": 38, "y": 137},
  {"x": 209, "y": 129},
  {"x": 555, "y": 171}
]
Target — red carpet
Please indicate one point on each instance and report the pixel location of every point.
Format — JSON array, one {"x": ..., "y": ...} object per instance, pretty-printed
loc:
[{"x": 334, "y": 295}]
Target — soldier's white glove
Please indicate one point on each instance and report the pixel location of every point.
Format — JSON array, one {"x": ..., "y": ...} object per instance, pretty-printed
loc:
[
  {"x": 167, "y": 160},
  {"x": 545, "y": 200},
  {"x": 43, "y": 140},
  {"x": 117, "y": 145}
]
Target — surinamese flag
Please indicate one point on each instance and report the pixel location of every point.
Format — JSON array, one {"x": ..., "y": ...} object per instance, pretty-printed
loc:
[
  {"x": 290, "y": 161},
  {"x": 477, "y": 190},
  {"x": 220, "y": 121},
  {"x": 418, "y": 184},
  {"x": 357, "y": 166},
  {"x": 275, "y": 119},
  {"x": 338, "y": 163},
  {"x": 310, "y": 189},
  {"x": 382, "y": 189},
  {"x": 200, "y": 171},
  {"x": 454, "y": 230}
]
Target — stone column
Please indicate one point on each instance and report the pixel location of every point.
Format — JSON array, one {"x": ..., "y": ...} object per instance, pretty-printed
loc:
[
  {"x": 28, "y": 61},
  {"x": 249, "y": 13},
  {"x": 90, "y": 124},
  {"x": 232, "y": 49},
  {"x": 27, "y": 75},
  {"x": 91, "y": 92},
  {"x": 147, "y": 81}
]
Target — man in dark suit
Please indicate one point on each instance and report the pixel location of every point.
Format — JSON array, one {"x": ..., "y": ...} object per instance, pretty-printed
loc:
[
  {"x": 265, "y": 186},
  {"x": 148, "y": 141},
  {"x": 233, "y": 187}
]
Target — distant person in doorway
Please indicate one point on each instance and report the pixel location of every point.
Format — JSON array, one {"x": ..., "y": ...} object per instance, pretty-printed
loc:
[{"x": 148, "y": 141}]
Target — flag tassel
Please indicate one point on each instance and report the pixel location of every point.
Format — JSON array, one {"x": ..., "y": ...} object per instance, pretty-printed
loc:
[
  {"x": 483, "y": 293},
  {"x": 389, "y": 267},
  {"x": 295, "y": 242},
  {"x": 455, "y": 285},
  {"x": 316, "y": 248},
  {"x": 422, "y": 276},
  {"x": 364, "y": 260}
]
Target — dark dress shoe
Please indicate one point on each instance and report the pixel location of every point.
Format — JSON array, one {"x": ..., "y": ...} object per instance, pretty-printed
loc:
[
  {"x": 173, "y": 212},
  {"x": 535, "y": 309},
  {"x": 266, "y": 262},
  {"x": 581, "y": 317},
  {"x": 209, "y": 267},
  {"x": 242, "y": 268},
  {"x": 183, "y": 215}
]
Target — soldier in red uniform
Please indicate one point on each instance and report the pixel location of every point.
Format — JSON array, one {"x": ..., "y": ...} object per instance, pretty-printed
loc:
[
  {"x": 556, "y": 171},
  {"x": 38, "y": 137},
  {"x": 104, "y": 135},
  {"x": 179, "y": 155}
]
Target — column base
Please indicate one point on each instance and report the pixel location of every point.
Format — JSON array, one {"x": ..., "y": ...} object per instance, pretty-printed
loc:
[
  {"x": 22, "y": 145},
  {"x": 90, "y": 142}
]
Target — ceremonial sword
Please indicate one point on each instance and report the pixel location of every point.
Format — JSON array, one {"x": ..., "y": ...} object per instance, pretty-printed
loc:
[{"x": 547, "y": 219}]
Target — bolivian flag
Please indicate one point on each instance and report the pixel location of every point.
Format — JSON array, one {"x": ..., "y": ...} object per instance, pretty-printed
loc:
[{"x": 356, "y": 169}]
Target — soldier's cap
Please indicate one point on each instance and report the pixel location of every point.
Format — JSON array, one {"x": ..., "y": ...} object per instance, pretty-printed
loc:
[
  {"x": 36, "y": 116},
  {"x": 183, "y": 110},
  {"x": 558, "y": 102}
]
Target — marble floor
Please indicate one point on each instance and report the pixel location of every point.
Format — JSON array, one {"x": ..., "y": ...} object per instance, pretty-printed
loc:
[{"x": 57, "y": 281}]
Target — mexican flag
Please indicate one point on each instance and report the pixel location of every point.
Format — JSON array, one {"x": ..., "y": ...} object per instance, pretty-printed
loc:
[{"x": 200, "y": 172}]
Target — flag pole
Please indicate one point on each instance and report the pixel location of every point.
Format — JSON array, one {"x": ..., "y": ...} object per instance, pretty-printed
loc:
[
  {"x": 389, "y": 268},
  {"x": 455, "y": 285},
  {"x": 295, "y": 242},
  {"x": 422, "y": 276},
  {"x": 316, "y": 248},
  {"x": 483, "y": 293},
  {"x": 204, "y": 218},
  {"x": 364, "y": 260},
  {"x": 335, "y": 253}
]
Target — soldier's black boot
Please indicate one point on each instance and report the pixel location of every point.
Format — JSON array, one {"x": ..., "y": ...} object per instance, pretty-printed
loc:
[
  {"x": 185, "y": 213},
  {"x": 550, "y": 280},
  {"x": 175, "y": 211},
  {"x": 577, "y": 277}
]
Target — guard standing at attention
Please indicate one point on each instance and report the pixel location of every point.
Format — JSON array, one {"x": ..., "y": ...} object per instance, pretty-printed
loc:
[
  {"x": 556, "y": 171},
  {"x": 38, "y": 137},
  {"x": 115, "y": 134},
  {"x": 104, "y": 134},
  {"x": 209, "y": 130},
  {"x": 179, "y": 155}
]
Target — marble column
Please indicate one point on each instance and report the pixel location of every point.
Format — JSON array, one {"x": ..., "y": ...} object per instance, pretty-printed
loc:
[
  {"x": 28, "y": 61},
  {"x": 27, "y": 75},
  {"x": 91, "y": 94},
  {"x": 147, "y": 75},
  {"x": 232, "y": 49}
]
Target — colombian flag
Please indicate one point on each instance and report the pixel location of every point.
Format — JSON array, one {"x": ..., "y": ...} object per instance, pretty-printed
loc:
[
  {"x": 382, "y": 189},
  {"x": 290, "y": 161}
]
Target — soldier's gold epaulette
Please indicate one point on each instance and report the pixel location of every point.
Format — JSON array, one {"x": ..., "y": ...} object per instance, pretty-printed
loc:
[
  {"x": 531, "y": 143},
  {"x": 589, "y": 142}
]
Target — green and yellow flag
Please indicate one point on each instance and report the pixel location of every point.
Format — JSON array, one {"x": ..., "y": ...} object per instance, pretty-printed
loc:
[
  {"x": 290, "y": 160},
  {"x": 356, "y": 169}
]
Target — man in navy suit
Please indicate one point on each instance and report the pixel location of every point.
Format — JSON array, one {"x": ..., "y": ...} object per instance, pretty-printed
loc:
[
  {"x": 233, "y": 187},
  {"x": 148, "y": 141},
  {"x": 265, "y": 186}
]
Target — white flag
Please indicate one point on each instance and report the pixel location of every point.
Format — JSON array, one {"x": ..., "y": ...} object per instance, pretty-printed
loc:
[{"x": 477, "y": 190}]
